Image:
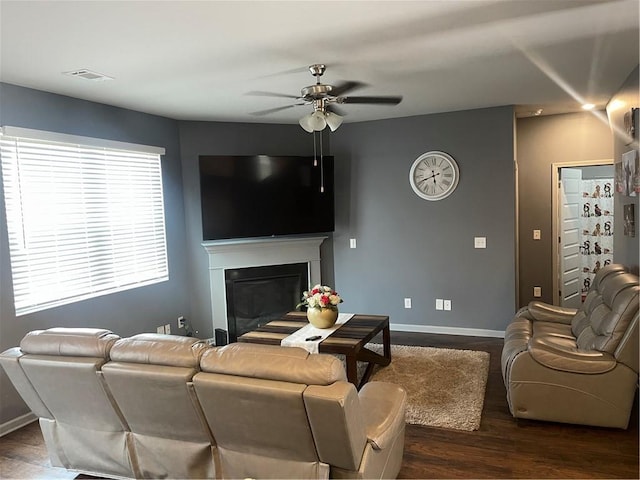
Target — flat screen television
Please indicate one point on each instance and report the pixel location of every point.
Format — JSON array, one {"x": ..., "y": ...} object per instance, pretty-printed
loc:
[{"x": 260, "y": 196}]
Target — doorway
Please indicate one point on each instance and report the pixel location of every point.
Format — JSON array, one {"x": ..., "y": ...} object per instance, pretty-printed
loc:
[{"x": 583, "y": 225}]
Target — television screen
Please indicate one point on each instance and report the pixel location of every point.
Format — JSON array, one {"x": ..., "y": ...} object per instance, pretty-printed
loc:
[{"x": 259, "y": 196}]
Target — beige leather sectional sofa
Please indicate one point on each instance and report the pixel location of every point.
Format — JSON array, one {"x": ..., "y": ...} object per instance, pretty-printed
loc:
[
  {"x": 576, "y": 365},
  {"x": 160, "y": 406}
]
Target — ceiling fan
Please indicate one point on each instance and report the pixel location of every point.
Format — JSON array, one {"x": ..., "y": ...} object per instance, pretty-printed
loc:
[{"x": 325, "y": 100}]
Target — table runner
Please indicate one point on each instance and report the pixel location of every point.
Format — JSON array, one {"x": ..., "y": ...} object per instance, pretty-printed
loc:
[{"x": 297, "y": 338}]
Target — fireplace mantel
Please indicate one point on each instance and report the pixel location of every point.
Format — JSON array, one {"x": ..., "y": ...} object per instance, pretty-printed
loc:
[{"x": 256, "y": 252}]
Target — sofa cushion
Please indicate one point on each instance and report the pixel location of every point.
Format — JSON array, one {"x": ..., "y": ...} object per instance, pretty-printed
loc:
[
  {"x": 609, "y": 320},
  {"x": 272, "y": 362},
  {"x": 158, "y": 349},
  {"x": 69, "y": 342},
  {"x": 594, "y": 297},
  {"x": 561, "y": 353}
]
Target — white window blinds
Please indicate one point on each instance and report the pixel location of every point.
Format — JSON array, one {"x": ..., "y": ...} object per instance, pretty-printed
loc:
[{"x": 85, "y": 217}]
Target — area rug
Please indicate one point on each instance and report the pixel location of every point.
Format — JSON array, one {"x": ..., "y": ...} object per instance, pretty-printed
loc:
[{"x": 445, "y": 387}]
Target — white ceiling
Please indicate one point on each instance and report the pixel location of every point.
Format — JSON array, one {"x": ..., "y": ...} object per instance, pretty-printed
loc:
[{"x": 196, "y": 60}]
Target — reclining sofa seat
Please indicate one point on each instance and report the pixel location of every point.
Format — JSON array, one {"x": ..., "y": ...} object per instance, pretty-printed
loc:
[
  {"x": 576, "y": 365},
  {"x": 280, "y": 412},
  {"x": 150, "y": 377},
  {"x": 58, "y": 374},
  {"x": 274, "y": 412}
]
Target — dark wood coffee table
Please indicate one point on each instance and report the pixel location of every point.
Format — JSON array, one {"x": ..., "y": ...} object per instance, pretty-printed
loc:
[{"x": 348, "y": 340}]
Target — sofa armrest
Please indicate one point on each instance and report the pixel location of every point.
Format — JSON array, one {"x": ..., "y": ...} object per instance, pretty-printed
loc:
[
  {"x": 383, "y": 409},
  {"x": 561, "y": 353},
  {"x": 544, "y": 312}
]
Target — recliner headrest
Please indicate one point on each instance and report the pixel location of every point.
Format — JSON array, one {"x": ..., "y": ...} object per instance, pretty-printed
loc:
[
  {"x": 272, "y": 362},
  {"x": 617, "y": 284},
  {"x": 157, "y": 349},
  {"x": 69, "y": 342},
  {"x": 606, "y": 271}
]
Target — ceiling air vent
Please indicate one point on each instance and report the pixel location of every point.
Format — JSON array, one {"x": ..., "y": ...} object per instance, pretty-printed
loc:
[{"x": 88, "y": 75}]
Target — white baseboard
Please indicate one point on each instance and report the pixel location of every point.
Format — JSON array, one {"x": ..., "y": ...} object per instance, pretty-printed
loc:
[
  {"x": 470, "y": 332},
  {"x": 16, "y": 423}
]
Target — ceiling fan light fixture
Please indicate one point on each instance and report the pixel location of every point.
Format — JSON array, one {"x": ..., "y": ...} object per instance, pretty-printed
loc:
[
  {"x": 317, "y": 120},
  {"x": 305, "y": 123},
  {"x": 333, "y": 120}
]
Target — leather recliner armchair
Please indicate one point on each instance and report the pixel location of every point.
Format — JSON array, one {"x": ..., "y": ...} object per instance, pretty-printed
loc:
[{"x": 576, "y": 365}]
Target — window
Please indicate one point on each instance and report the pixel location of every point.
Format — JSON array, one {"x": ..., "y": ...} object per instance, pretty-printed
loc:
[{"x": 85, "y": 217}]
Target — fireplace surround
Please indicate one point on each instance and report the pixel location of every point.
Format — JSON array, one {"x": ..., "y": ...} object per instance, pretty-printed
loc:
[{"x": 256, "y": 252}]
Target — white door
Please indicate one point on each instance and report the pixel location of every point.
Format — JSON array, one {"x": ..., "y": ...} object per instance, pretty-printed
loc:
[{"x": 569, "y": 232}]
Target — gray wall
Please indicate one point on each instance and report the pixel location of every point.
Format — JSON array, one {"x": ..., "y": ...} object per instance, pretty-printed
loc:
[
  {"x": 126, "y": 313},
  {"x": 542, "y": 141},
  {"x": 211, "y": 138},
  {"x": 626, "y": 249},
  {"x": 407, "y": 247},
  {"x": 410, "y": 247}
]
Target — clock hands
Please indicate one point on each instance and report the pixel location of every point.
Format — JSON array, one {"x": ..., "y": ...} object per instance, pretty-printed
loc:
[{"x": 434, "y": 175}]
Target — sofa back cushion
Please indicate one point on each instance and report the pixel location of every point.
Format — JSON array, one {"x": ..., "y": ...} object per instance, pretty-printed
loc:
[
  {"x": 594, "y": 297},
  {"x": 252, "y": 397},
  {"x": 156, "y": 349},
  {"x": 64, "y": 366},
  {"x": 150, "y": 378},
  {"x": 269, "y": 362},
  {"x": 69, "y": 342},
  {"x": 610, "y": 319}
]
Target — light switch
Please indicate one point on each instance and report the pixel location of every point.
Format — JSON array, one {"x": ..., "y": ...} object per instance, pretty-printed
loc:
[
  {"x": 439, "y": 304},
  {"x": 352, "y": 243},
  {"x": 480, "y": 242},
  {"x": 536, "y": 234}
]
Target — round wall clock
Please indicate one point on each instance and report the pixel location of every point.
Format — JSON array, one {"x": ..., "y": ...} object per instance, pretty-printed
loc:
[{"x": 434, "y": 175}]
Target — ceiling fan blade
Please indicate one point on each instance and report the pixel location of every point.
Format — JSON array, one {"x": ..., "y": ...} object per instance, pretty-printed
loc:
[
  {"x": 271, "y": 94},
  {"x": 272, "y": 110},
  {"x": 389, "y": 100},
  {"x": 336, "y": 110},
  {"x": 344, "y": 87},
  {"x": 286, "y": 72}
]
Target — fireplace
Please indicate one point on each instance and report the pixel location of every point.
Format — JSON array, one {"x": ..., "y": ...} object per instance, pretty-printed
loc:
[
  {"x": 257, "y": 295},
  {"x": 227, "y": 256}
]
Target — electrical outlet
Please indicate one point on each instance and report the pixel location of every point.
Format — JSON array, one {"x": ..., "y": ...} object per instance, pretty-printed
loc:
[
  {"x": 447, "y": 304},
  {"x": 407, "y": 303},
  {"x": 167, "y": 329},
  {"x": 160, "y": 329},
  {"x": 537, "y": 292},
  {"x": 439, "y": 304},
  {"x": 181, "y": 321}
]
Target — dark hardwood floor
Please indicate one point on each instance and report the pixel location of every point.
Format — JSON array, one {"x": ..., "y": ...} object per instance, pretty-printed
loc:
[{"x": 503, "y": 447}]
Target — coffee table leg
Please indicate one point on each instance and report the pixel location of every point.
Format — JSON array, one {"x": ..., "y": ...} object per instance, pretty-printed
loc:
[
  {"x": 352, "y": 369},
  {"x": 386, "y": 342}
]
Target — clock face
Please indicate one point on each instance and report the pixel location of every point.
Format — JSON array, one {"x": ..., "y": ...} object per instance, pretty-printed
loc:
[{"x": 434, "y": 175}]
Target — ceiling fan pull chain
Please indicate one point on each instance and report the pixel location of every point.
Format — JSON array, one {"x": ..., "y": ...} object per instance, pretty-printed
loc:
[
  {"x": 321, "y": 166},
  {"x": 315, "y": 159}
]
